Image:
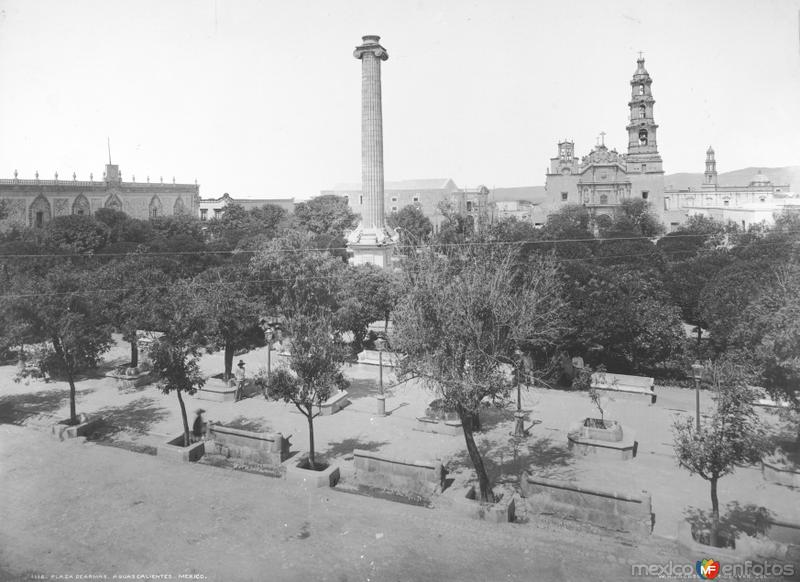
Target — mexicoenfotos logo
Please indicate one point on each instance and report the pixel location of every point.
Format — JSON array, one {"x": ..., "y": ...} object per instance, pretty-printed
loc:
[{"x": 707, "y": 569}]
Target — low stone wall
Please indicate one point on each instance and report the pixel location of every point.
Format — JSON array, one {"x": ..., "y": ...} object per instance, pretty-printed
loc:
[
  {"x": 173, "y": 450},
  {"x": 609, "y": 509},
  {"x": 417, "y": 478},
  {"x": 781, "y": 474},
  {"x": 264, "y": 448}
]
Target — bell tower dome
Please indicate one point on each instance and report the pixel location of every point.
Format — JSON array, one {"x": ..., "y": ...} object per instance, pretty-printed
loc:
[{"x": 643, "y": 153}]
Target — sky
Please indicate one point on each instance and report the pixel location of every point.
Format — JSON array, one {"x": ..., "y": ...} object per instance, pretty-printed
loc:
[{"x": 261, "y": 99}]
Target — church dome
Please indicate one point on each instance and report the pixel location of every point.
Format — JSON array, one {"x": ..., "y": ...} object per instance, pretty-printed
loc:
[{"x": 760, "y": 179}]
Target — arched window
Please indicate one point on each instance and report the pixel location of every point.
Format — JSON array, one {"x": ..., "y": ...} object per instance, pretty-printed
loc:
[
  {"x": 603, "y": 199},
  {"x": 179, "y": 208},
  {"x": 39, "y": 212},
  {"x": 155, "y": 209},
  {"x": 81, "y": 206},
  {"x": 642, "y": 111},
  {"x": 641, "y": 89},
  {"x": 642, "y": 137},
  {"x": 114, "y": 203}
]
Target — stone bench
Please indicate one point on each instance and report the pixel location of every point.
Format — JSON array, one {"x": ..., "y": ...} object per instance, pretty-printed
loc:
[
  {"x": 624, "y": 383},
  {"x": 373, "y": 357},
  {"x": 606, "y": 508},
  {"x": 262, "y": 448},
  {"x": 334, "y": 404},
  {"x": 414, "y": 478}
]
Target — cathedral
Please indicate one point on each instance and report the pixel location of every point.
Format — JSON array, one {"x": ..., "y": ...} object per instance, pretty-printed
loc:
[{"x": 605, "y": 178}]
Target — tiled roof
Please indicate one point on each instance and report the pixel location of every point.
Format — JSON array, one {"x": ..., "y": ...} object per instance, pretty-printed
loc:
[{"x": 534, "y": 194}]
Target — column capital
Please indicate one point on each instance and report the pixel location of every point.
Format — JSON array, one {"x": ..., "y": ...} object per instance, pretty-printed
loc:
[{"x": 371, "y": 45}]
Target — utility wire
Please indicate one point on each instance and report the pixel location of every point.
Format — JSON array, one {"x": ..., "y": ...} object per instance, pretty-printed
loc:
[{"x": 434, "y": 245}]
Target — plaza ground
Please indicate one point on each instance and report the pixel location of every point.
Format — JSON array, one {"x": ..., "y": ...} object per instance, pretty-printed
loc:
[{"x": 80, "y": 507}]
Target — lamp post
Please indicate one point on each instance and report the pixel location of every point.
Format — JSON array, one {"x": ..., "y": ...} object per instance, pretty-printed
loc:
[
  {"x": 519, "y": 428},
  {"x": 697, "y": 374},
  {"x": 269, "y": 332},
  {"x": 380, "y": 344}
]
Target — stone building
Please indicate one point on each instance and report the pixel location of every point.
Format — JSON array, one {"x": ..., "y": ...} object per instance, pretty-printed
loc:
[
  {"x": 35, "y": 202},
  {"x": 427, "y": 195},
  {"x": 214, "y": 207},
  {"x": 754, "y": 203},
  {"x": 604, "y": 178}
]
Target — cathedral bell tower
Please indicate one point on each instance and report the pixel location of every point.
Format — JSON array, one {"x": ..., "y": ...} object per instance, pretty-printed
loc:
[
  {"x": 643, "y": 156},
  {"x": 711, "y": 168}
]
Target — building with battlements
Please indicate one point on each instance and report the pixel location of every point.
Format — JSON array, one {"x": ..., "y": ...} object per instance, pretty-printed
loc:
[
  {"x": 605, "y": 178},
  {"x": 35, "y": 202}
]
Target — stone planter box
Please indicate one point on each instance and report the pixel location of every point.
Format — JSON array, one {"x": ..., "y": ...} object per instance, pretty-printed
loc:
[
  {"x": 415, "y": 479},
  {"x": 448, "y": 427},
  {"x": 296, "y": 471},
  {"x": 606, "y": 446},
  {"x": 63, "y": 431},
  {"x": 175, "y": 451},
  {"x": 502, "y": 511},
  {"x": 592, "y": 429},
  {"x": 130, "y": 382},
  {"x": 334, "y": 404},
  {"x": 781, "y": 474},
  {"x": 747, "y": 548},
  {"x": 613, "y": 510},
  {"x": 217, "y": 390},
  {"x": 261, "y": 448}
]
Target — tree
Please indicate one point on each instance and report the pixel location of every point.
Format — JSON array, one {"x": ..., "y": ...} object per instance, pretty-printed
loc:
[
  {"x": 136, "y": 287},
  {"x": 60, "y": 310},
  {"x": 238, "y": 228},
  {"x": 295, "y": 277},
  {"x": 573, "y": 224},
  {"x": 316, "y": 357},
  {"x": 456, "y": 228},
  {"x": 697, "y": 234},
  {"x": 328, "y": 214},
  {"x": 412, "y": 224},
  {"x": 174, "y": 354},
  {"x": 76, "y": 233},
  {"x": 368, "y": 294},
  {"x": 175, "y": 365},
  {"x": 768, "y": 336},
  {"x": 733, "y": 435},
  {"x": 224, "y": 298},
  {"x": 629, "y": 314},
  {"x": 464, "y": 311}
]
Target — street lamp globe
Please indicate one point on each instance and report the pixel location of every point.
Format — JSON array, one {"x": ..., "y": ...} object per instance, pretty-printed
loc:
[{"x": 697, "y": 370}]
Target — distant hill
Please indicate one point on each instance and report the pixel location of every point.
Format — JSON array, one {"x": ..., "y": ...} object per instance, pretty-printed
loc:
[
  {"x": 788, "y": 175},
  {"x": 681, "y": 181}
]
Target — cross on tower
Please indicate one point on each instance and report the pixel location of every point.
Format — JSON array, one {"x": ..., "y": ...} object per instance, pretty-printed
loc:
[
  {"x": 640, "y": 55},
  {"x": 602, "y": 138}
]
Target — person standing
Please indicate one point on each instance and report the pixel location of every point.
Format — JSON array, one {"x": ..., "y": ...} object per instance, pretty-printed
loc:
[
  {"x": 240, "y": 379},
  {"x": 199, "y": 426}
]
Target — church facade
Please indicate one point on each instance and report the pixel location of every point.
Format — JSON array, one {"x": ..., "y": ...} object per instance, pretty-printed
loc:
[
  {"x": 36, "y": 202},
  {"x": 602, "y": 180},
  {"x": 745, "y": 205}
]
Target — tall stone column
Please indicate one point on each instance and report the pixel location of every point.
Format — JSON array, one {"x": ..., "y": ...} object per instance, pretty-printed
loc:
[
  {"x": 370, "y": 242},
  {"x": 371, "y": 53}
]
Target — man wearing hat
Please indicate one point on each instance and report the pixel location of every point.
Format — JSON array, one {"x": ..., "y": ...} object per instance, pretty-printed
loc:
[
  {"x": 240, "y": 375},
  {"x": 199, "y": 427}
]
